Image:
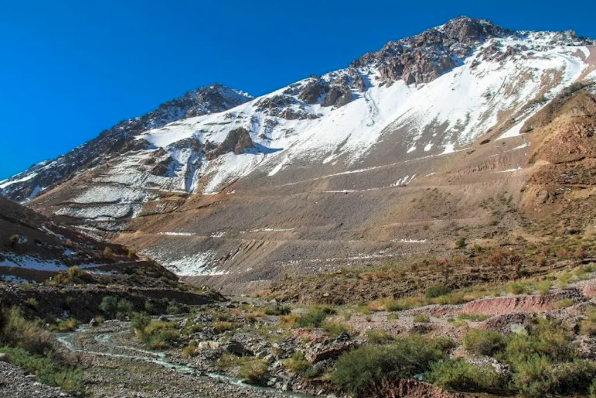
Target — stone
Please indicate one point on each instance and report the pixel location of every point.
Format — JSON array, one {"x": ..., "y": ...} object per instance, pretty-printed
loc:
[{"x": 236, "y": 348}]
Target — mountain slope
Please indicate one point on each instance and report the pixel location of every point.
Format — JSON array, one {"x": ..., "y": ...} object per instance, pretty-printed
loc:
[
  {"x": 34, "y": 247},
  {"x": 119, "y": 140},
  {"x": 409, "y": 148}
]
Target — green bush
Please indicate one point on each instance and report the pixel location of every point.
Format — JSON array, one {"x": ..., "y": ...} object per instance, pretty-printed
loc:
[
  {"x": 544, "y": 338},
  {"x": 297, "y": 362},
  {"x": 483, "y": 342},
  {"x": 108, "y": 305},
  {"x": 437, "y": 291},
  {"x": 278, "y": 310},
  {"x": 125, "y": 307},
  {"x": 67, "y": 325},
  {"x": 460, "y": 375},
  {"x": 365, "y": 370},
  {"x": 162, "y": 339},
  {"x": 540, "y": 377},
  {"x": 574, "y": 377},
  {"x": 173, "y": 308},
  {"x": 378, "y": 336},
  {"x": 473, "y": 317},
  {"x": 253, "y": 371},
  {"x": 16, "y": 331},
  {"x": 49, "y": 369},
  {"x": 533, "y": 378},
  {"x": 335, "y": 328},
  {"x": 314, "y": 318},
  {"x": 421, "y": 318},
  {"x": 140, "y": 321}
]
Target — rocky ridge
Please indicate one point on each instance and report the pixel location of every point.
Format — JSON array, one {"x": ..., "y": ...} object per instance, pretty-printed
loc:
[{"x": 119, "y": 139}]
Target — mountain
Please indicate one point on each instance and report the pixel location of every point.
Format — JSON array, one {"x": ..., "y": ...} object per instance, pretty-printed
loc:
[
  {"x": 119, "y": 139},
  {"x": 433, "y": 138}
]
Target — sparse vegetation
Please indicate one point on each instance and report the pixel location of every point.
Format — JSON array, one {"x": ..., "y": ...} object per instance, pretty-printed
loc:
[
  {"x": 437, "y": 291},
  {"x": 370, "y": 370},
  {"x": 314, "y": 318},
  {"x": 253, "y": 371},
  {"x": 378, "y": 336},
  {"x": 29, "y": 347},
  {"x": 460, "y": 375},
  {"x": 421, "y": 318},
  {"x": 297, "y": 363},
  {"x": 483, "y": 342}
]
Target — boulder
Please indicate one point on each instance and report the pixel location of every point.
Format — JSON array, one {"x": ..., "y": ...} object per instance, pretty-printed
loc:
[{"x": 236, "y": 348}]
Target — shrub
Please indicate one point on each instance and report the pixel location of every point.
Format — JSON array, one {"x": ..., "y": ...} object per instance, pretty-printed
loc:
[
  {"x": 437, "y": 291},
  {"x": 365, "y": 371},
  {"x": 314, "y": 318},
  {"x": 533, "y": 378},
  {"x": 139, "y": 322},
  {"x": 74, "y": 272},
  {"x": 573, "y": 378},
  {"x": 404, "y": 303},
  {"x": 460, "y": 243},
  {"x": 156, "y": 335},
  {"x": 378, "y": 336},
  {"x": 588, "y": 325},
  {"x": 49, "y": 369},
  {"x": 544, "y": 286},
  {"x": 335, "y": 328},
  {"x": 190, "y": 350},
  {"x": 288, "y": 321},
  {"x": 278, "y": 310},
  {"x": 173, "y": 308},
  {"x": 483, "y": 342},
  {"x": 473, "y": 317},
  {"x": 162, "y": 339},
  {"x": 67, "y": 325},
  {"x": 149, "y": 306},
  {"x": 220, "y": 327},
  {"x": 460, "y": 375},
  {"x": 107, "y": 251},
  {"x": 32, "y": 303},
  {"x": 253, "y": 371},
  {"x": 18, "y": 332},
  {"x": 564, "y": 303},
  {"x": 125, "y": 307},
  {"x": 108, "y": 305},
  {"x": 421, "y": 318},
  {"x": 297, "y": 362},
  {"x": 544, "y": 338},
  {"x": 517, "y": 288},
  {"x": 310, "y": 373}
]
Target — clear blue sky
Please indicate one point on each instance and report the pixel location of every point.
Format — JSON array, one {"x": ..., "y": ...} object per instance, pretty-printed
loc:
[{"x": 69, "y": 69}]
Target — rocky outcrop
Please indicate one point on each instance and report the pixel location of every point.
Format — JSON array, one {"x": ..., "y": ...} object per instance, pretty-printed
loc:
[
  {"x": 337, "y": 96},
  {"x": 424, "y": 57},
  {"x": 237, "y": 141},
  {"x": 313, "y": 91}
]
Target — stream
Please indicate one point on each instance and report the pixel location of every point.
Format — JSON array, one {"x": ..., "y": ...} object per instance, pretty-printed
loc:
[{"x": 108, "y": 348}]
